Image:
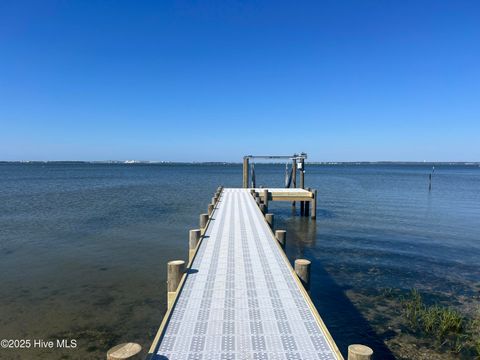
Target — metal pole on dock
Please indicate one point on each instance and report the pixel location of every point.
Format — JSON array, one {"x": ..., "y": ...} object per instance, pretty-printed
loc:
[
  {"x": 194, "y": 239},
  {"x": 359, "y": 352},
  {"x": 281, "y": 236},
  {"x": 124, "y": 351},
  {"x": 302, "y": 269},
  {"x": 270, "y": 220},
  {"x": 175, "y": 270}
]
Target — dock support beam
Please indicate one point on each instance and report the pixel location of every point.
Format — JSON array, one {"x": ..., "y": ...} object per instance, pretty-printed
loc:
[
  {"x": 359, "y": 352},
  {"x": 124, "y": 351},
  {"x": 175, "y": 270},
  {"x": 302, "y": 269},
  {"x": 193, "y": 240},
  {"x": 269, "y": 218},
  {"x": 281, "y": 236},
  {"x": 245, "y": 172}
]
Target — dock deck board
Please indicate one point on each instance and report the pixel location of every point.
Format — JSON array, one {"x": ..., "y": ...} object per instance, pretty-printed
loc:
[{"x": 241, "y": 300}]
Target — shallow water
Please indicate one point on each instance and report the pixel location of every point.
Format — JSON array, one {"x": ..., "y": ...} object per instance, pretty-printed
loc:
[{"x": 83, "y": 247}]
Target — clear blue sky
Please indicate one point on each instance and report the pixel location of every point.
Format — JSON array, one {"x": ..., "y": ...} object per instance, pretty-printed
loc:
[{"x": 201, "y": 80}]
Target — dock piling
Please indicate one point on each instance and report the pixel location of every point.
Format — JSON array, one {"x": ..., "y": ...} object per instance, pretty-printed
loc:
[
  {"x": 270, "y": 220},
  {"x": 302, "y": 269},
  {"x": 210, "y": 209},
  {"x": 265, "y": 197},
  {"x": 263, "y": 208},
  {"x": 314, "y": 204},
  {"x": 193, "y": 240},
  {"x": 203, "y": 221},
  {"x": 307, "y": 205},
  {"x": 124, "y": 351},
  {"x": 175, "y": 270},
  {"x": 359, "y": 352},
  {"x": 281, "y": 236}
]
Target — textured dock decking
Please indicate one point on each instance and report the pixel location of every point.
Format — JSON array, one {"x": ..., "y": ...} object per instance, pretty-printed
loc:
[{"x": 241, "y": 300}]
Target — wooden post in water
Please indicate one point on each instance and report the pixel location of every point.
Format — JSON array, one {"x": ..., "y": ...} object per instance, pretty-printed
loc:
[
  {"x": 307, "y": 205},
  {"x": 257, "y": 199},
  {"x": 175, "y": 270},
  {"x": 302, "y": 269},
  {"x": 359, "y": 352},
  {"x": 124, "y": 351},
  {"x": 194, "y": 239},
  {"x": 265, "y": 197},
  {"x": 302, "y": 184},
  {"x": 210, "y": 209},
  {"x": 263, "y": 208},
  {"x": 245, "y": 172},
  {"x": 203, "y": 221},
  {"x": 281, "y": 236},
  {"x": 294, "y": 176},
  {"x": 270, "y": 220},
  {"x": 314, "y": 204}
]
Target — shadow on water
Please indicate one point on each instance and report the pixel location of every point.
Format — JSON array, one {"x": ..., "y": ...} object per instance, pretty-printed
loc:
[{"x": 344, "y": 321}]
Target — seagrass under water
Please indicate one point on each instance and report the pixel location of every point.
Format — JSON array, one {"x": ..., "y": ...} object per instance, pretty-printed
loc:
[{"x": 240, "y": 300}]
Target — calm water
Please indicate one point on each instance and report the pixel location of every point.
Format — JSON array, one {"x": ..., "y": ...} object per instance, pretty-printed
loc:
[{"x": 83, "y": 247}]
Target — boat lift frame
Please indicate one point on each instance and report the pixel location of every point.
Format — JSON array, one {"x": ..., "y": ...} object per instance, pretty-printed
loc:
[{"x": 298, "y": 163}]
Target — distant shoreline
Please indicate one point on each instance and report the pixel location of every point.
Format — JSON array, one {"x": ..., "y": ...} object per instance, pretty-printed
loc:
[{"x": 142, "y": 162}]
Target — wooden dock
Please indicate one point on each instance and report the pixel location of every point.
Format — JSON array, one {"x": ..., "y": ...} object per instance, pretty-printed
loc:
[{"x": 239, "y": 297}]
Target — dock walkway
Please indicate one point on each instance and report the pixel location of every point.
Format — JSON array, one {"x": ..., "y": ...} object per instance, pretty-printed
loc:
[{"x": 241, "y": 298}]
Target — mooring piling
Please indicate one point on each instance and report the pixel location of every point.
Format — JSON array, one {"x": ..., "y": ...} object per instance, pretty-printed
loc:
[
  {"x": 175, "y": 271},
  {"x": 359, "y": 352},
  {"x": 193, "y": 240},
  {"x": 314, "y": 204},
  {"x": 302, "y": 269},
  {"x": 203, "y": 221},
  {"x": 124, "y": 351},
  {"x": 270, "y": 220},
  {"x": 281, "y": 236},
  {"x": 263, "y": 208},
  {"x": 265, "y": 197}
]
